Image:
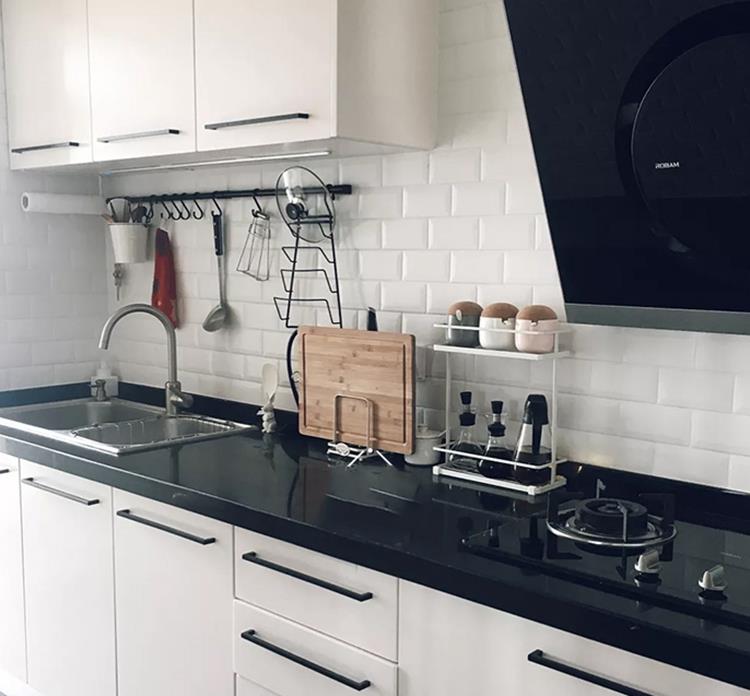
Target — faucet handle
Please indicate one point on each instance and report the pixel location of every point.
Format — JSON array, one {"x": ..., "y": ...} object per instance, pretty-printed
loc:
[{"x": 176, "y": 398}]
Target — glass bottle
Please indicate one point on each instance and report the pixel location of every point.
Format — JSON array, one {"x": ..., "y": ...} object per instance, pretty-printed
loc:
[
  {"x": 496, "y": 448},
  {"x": 465, "y": 441}
]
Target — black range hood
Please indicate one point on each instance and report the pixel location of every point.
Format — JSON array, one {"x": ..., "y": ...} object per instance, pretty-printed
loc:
[{"x": 640, "y": 119}]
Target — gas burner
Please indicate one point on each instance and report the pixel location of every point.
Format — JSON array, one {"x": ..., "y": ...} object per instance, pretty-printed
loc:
[{"x": 611, "y": 523}]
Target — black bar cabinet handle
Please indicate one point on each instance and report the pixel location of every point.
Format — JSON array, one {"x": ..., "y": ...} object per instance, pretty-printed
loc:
[
  {"x": 46, "y": 146},
  {"x": 63, "y": 494},
  {"x": 539, "y": 658},
  {"x": 203, "y": 541},
  {"x": 4, "y": 471},
  {"x": 252, "y": 637},
  {"x": 256, "y": 121},
  {"x": 138, "y": 136},
  {"x": 252, "y": 557}
]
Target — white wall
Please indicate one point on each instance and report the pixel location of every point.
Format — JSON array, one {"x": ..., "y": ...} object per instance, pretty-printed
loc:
[
  {"x": 465, "y": 221},
  {"x": 53, "y": 297}
]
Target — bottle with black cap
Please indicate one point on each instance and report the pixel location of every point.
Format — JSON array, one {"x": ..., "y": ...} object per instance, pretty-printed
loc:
[
  {"x": 533, "y": 441},
  {"x": 497, "y": 447},
  {"x": 466, "y": 442}
]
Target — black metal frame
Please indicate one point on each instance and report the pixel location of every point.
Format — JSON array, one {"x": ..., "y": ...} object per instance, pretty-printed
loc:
[
  {"x": 251, "y": 636},
  {"x": 252, "y": 557},
  {"x": 539, "y": 658}
]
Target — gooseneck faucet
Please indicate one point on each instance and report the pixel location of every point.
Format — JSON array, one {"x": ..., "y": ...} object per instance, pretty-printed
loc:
[{"x": 174, "y": 397}]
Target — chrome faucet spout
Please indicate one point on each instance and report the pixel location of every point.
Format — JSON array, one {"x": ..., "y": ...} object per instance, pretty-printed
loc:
[{"x": 174, "y": 395}]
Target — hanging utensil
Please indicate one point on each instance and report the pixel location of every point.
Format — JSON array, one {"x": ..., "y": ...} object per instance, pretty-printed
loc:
[
  {"x": 218, "y": 316},
  {"x": 255, "y": 259}
]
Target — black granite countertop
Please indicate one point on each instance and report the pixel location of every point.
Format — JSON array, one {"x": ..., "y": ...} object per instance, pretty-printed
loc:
[{"x": 400, "y": 521}]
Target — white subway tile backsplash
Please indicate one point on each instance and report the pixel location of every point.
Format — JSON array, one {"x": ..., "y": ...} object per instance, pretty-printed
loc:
[
  {"x": 531, "y": 267},
  {"x": 667, "y": 348},
  {"x": 718, "y": 352},
  {"x": 361, "y": 171},
  {"x": 695, "y": 465},
  {"x": 722, "y": 432},
  {"x": 381, "y": 265},
  {"x": 478, "y": 199},
  {"x": 518, "y": 295},
  {"x": 480, "y": 130},
  {"x": 427, "y": 201},
  {"x": 403, "y": 297},
  {"x": 434, "y": 266},
  {"x": 405, "y": 233},
  {"x": 454, "y": 233},
  {"x": 440, "y": 296},
  {"x": 405, "y": 169},
  {"x": 380, "y": 203},
  {"x": 708, "y": 391},
  {"x": 507, "y": 232},
  {"x": 450, "y": 166},
  {"x": 524, "y": 197},
  {"x": 477, "y": 267}
]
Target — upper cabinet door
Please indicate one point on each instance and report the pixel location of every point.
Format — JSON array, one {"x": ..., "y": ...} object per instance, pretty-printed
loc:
[
  {"x": 142, "y": 78},
  {"x": 47, "y": 78},
  {"x": 265, "y": 71}
]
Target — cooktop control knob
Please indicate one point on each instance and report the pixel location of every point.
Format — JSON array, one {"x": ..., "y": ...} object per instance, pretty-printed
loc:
[
  {"x": 714, "y": 580},
  {"x": 648, "y": 563}
]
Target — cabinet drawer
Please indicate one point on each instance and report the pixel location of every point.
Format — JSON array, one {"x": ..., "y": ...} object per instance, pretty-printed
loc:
[
  {"x": 343, "y": 600},
  {"x": 287, "y": 659}
]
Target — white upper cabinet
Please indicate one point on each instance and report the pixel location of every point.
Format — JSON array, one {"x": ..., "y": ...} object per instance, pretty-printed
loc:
[
  {"x": 47, "y": 82},
  {"x": 142, "y": 78},
  {"x": 69, "y": 581},
  {"x": 308, "y": 70},
  {"x": 12, "y": 629},
  {"x": 265, "y": 71}
]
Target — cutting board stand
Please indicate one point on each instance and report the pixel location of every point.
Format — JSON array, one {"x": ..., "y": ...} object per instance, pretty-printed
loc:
[{"x": 354, "y": 453}]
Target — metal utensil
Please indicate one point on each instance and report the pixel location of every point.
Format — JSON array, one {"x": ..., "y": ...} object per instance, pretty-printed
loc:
[
  {"x": 217, "y": 317},
  {"x": 255, "y": 259}
]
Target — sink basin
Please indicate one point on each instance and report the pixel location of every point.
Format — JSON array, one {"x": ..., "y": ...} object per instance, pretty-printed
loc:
[
  {"x": 115, "y": 426},
  {"x": 68, "y": 415}
]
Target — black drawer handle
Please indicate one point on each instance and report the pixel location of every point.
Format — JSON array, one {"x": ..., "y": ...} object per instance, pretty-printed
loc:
[
  {"x": 4, "y": 471},
  {"x": 48, "y": 146},
  {"x": 539, "y": 658},
  {"x": 252, "y": 557},
  {"x": 252, "y": 637},
  {"x": 126, "y": 514},
  {"x": 256, "y": 121},
  {"x": 63, "y": 494},
  {"x": 138, "y": 136}
]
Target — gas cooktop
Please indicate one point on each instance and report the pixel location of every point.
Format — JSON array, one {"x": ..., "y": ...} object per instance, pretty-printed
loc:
[{"x": 629, "y": 542}]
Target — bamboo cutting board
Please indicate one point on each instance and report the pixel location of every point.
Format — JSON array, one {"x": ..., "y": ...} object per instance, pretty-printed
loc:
[{"x": 372, "y": 364}]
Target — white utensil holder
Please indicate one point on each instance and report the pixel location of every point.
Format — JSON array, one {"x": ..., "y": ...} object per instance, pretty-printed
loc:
[{"x": 129, "y": 242}]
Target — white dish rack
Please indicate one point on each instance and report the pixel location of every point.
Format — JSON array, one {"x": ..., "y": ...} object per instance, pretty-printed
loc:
[{"x": 462, "y": 469}]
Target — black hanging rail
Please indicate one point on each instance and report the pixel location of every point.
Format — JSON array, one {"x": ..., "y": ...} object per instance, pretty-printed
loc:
[{"x": 333, "y": 189}]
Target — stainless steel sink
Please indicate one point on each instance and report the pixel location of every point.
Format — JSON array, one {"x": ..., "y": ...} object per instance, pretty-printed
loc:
[{"x": 115, "y": 426}]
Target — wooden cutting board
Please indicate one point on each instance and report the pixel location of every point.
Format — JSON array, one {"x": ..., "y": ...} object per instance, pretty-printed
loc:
[{"x": 376, "y": 365}]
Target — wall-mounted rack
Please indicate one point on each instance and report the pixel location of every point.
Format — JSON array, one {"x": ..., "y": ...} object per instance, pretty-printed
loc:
[{"x": 184, "y": 213}]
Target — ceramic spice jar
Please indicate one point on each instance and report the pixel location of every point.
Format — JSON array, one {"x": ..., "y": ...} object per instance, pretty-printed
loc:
[
  {"x": 463, "y": 314},
  {"x": 499, "y": 315},
  {"x": 536, "y": 318}
]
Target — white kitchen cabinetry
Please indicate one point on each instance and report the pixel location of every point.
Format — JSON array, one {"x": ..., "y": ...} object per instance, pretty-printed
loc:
[
  {"x": 47, "y": 82},
  {"x": 173, "y": 572},
  {"x": 69, "y": 581},
  {"x": 349, "y": 602},
  {"x": 12, "y": 623},
  {"x": 293, "y": 71},
  {"x": 450, "y": 646},
  {"x": 142, "y": 78},
  {"x": 283, "y": 658}
]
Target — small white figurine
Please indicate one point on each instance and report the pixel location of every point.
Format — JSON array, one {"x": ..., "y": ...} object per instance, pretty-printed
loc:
[{"x": 270, "y": 381}]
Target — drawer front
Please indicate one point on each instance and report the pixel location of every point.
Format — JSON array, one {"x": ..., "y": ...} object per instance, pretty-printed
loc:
[
  {"x": 281, "y": 658},
  {"x": 343, "y": 600}
]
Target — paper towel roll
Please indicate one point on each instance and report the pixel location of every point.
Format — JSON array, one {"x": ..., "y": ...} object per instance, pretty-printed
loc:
[{"x": 64, "y": 203}]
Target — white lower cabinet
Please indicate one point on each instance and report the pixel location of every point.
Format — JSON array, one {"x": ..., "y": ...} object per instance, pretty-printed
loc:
[
  {"x": 278, "y": 657},
  {"x": 70, "y": 613},
  {"x": 12, "y": 622},
  {"x": 174, "y": 588},
  {"x": 450, "y": 646}
]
